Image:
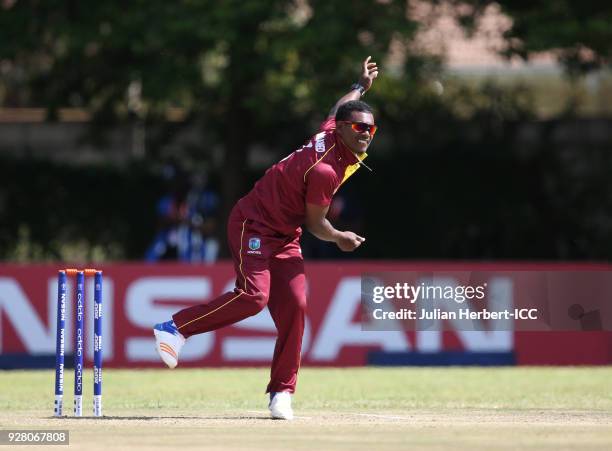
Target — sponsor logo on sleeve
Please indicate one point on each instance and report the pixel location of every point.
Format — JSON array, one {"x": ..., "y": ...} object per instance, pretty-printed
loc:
[{"x": 320, "y": 142}]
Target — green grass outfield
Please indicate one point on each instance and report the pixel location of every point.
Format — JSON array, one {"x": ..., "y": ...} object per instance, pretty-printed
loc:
[{"x": 348, "y": 409}]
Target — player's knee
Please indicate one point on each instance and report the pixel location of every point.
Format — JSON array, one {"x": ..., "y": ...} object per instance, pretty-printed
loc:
[
  {"x": 300, "y": 304},
  {"x": 260, "y": 300}
]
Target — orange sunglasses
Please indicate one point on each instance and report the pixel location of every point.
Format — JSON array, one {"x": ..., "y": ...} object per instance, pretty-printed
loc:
[{"x": 362, "y": 127}]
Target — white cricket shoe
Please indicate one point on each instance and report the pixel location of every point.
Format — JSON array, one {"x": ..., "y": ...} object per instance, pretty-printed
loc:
[
  {"x": 280, "y": 406},
  {"x": 168, "y": 341}
]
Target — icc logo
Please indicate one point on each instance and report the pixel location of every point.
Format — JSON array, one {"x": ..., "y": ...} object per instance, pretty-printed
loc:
[{"x": 254, "y": 244}]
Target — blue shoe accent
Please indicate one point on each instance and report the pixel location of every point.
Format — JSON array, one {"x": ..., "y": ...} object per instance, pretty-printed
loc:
[
  {"x": 168, "y": 326},
  {"x": 273, "y": 394}
]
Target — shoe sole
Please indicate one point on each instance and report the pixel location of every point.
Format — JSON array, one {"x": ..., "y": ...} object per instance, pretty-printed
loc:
[
  {"x": 279, "y": 417},
  {"x": 282, "y": 418},
  {"x": 165, "y": 351}
]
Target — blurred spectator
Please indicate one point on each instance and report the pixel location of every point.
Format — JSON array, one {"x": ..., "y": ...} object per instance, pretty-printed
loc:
[
  {"x": 186, "y": 220},
  {"x": 202, "y": 209}
]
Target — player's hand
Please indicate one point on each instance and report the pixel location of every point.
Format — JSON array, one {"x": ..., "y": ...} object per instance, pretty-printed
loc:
[
  {"x": 349, "y": 241},
  {"x": 369, "y": 71}
]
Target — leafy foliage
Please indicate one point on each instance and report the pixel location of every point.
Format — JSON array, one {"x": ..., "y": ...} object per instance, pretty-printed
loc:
[
  {"x": 241, "y": 67},
  {"x": 263, "y": 73}
]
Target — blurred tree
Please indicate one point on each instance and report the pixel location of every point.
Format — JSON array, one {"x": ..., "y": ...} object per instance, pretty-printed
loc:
[
  {"x": 256, "y": 72},
  {"x": 239, "y": 68},
  {"x": 578, "y": 32}
]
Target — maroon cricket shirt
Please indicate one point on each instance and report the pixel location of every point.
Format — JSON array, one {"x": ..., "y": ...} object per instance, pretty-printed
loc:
[{"x": 311, "y": 174}]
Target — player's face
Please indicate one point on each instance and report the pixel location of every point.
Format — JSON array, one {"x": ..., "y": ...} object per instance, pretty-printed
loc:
[{"x": 357, "y": 133}]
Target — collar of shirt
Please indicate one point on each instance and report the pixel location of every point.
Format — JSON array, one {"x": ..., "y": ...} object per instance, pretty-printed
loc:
[
  {"x": 346, "y": 157},
  {"x": 345, "y": 154}
]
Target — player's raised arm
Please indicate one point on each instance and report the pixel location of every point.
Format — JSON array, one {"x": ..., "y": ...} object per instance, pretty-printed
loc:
[{"x": 369, "y": 71}]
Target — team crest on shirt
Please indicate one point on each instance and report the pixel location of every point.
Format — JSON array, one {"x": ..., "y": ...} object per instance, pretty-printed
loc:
[{"x": 254, "y": 245}]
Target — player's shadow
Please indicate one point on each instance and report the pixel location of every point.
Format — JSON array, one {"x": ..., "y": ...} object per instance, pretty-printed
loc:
[{"x": 157, "y": 418}]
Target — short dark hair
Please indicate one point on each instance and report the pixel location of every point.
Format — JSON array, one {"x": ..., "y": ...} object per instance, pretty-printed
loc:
[{"x": 345, "y": 110}]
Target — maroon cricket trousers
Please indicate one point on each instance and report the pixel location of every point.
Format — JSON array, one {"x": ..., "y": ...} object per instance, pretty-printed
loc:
[{"x": 269, "y": 271}]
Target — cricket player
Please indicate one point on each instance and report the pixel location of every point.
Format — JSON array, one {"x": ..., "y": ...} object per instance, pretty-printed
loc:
[{"x": 263, "y": 232}]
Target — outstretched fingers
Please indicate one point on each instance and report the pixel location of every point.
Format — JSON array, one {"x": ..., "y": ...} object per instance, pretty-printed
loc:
[
  {"x": 366, "y": 63},
  {"x": 370, "y": 68},
  {"x": 369, "y": 73}
]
